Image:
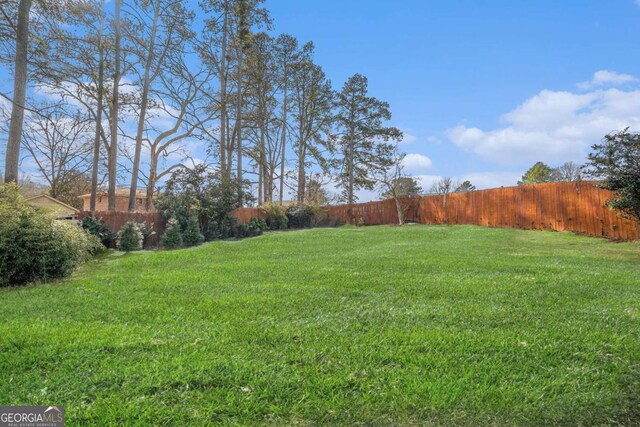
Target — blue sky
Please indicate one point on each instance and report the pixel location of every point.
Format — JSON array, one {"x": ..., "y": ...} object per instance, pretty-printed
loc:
[
  {"x": 452, "y": 70},
  {"x": 482, "y": 89}
]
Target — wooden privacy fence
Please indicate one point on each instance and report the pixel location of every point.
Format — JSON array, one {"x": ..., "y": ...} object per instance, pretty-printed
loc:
[
  {"x": 562, "y": 206},
  {"x": 116, "y": 220}
]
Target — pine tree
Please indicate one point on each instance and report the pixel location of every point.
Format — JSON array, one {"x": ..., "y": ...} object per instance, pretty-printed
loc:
[
  {"x": 172, "y": 237},
  {"x": 192, "y": 235},
  {"x": 363, "y": 139}
]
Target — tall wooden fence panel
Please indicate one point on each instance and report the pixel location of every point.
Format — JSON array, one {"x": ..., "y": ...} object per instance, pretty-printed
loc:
[
  {"x": 579, "y": 207},
  {"x": 244, "y": 215},
  {"x": 562, "y": 206},
  {"x": 116, "y": 220}
]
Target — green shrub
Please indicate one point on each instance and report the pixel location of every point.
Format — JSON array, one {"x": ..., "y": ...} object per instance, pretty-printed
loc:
[
  {"x": 275, "y": 216},
  {"x": 204, "y": 193},
  {"x": 147, "y": 232},
  {"x": 96, "y": 227},
  {"x": 36, "y": 247},
  {"x": 241, "y": 231},
  {"x": 301, "y": 216},
  {"x": 258, "y": 224},
  {"x": 130, "y": 237},
  {"x": 172, "y": 237},
  {"x": 222, "y": 229},
  {"x": 192, "y": 235}
]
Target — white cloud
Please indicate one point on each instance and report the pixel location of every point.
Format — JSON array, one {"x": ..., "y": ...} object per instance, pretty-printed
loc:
[
  {"x": 416, "y": 162},
  {"x": 552, "y": 127},
  {"x": 408, "y": 138},
  {"x": 608, "y": 78}
]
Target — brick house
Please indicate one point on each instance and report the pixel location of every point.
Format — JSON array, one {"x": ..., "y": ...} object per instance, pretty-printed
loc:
[{"x": 122, "y": 201}]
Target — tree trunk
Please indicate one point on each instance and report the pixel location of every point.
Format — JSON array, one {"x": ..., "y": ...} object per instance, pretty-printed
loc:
[
  {"x": 113, "y": 148},
  {"x": 223, "y": 99},
  {"x": 96, "y": 142},
  {"x": 239, "y": 127},
  {"x": 143, "y": 111},
  {"x": 230, "y": 139},
  {"x": 262, "y": 167},
  {"x": 14, "y": 140},
  {"x": 350, "y": 172},
  {"x": 153, "y": 172},
  {"x": 301, "y": 168},
  {"x": 284, "y": 140},
  {"x": 399, "y": 210}
]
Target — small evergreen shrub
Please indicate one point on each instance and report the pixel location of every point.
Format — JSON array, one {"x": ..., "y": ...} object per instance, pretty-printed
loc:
[
  {"x": 242, "y": 231},
  {"x": 147, "y": 233},
  {"x": 172, "y": 237},
  {"x": 192, "y": 235},
  {"x": 220, "y": 230},
  {"x": 130, "y": 237},
  {"x": 96, "y": 227},
  {"x": 275, "y": 216},
  {"x": 301, "y": 216},
  {"x": 258, "y": 224}
]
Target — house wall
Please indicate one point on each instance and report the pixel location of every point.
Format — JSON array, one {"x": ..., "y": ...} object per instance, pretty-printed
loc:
[{"x": 122, "y": 204}]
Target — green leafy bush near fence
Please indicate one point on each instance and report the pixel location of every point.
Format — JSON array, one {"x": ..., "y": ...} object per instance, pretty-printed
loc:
[
  {"x": 98, "y": 228},
  {"x": 172, "y": 237},
  {"x": 36, "y": 247},
  {"x": 130, "y": 237},
  {"x": 275, "y": 216}
]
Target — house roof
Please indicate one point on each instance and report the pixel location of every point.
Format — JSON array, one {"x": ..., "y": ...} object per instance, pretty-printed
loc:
[{"x": 48, "y": 197}]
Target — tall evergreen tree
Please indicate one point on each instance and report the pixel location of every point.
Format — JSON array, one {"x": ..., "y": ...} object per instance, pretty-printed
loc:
[
  {"x": 312, "y": 104},
  {"x": 363, "y": 139},
  {"x": 286, "y": 52}
]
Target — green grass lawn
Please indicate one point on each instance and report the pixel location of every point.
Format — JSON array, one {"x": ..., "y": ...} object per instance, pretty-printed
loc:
[{"x": 419, "y": 325}]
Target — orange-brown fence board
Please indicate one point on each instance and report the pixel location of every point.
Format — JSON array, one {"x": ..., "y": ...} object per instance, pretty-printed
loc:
[
  {"x": 244, "y": 215},
  {"x": 564, "y": 206},
  {"x": 116, "y": 220}
]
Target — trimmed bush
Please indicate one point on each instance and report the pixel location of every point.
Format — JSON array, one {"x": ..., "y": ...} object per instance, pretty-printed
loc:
[
  {"x": 257, "y": 224},
  {"x": 172, "y": 237},
  {"x": 34, "y": 246},
  {"x": 219, "y": 230},
  {"x": 242, "y": 231},
  {"x": 130, "y": 237},
  {"x": 275, "y": 216},
  {"x": 96, "y": 227},
  {"x": 147, "y": 233},
  {"x": 192, "y": 235},
  {"x": 301, "y": 216}
]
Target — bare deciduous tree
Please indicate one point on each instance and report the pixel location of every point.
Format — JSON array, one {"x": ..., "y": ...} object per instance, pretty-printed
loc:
[
  {"x": 59, "y": 146},
  {"x": 387, "y": 178}
]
